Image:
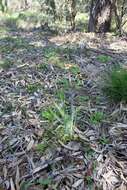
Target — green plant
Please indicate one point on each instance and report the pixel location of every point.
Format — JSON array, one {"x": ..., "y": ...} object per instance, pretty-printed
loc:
[
  {"x": 31, "y": 88},
  {"x": 43, "y": 66},
  {"x": 83, "y": 98},
  {"x": 77, "y": 82},
  {"x": 89, "y": 181},
  {"x": 41, "y": 147},
  {"x": 56, "y": 61},
  {"x": 104, "y": 140},
  {"x": 89, "y": 152},
  {"x": 96, "y": 117},
  {"x": 26, "y": 185},
  {"x": 60, "y": 94},
  {"x": 104, "y": 58},
  {"x": 49, "y": 52},
  {"x": 45, "y": 182},
  {"x": 63, "y": 118},
  {"x": 64, "y": 83},
  {"x": 115, "y": 85},
  {"x": 5, "y": 64},
  {"x": 48, "y": 114},
  {"x": 67, "y": 121},
  {"x": 8, "y": 108},
  {"x": 74, "y": 69}
]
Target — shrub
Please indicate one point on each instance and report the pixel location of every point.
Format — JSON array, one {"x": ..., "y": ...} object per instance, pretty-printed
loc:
[{"x": 115, "y": 85}]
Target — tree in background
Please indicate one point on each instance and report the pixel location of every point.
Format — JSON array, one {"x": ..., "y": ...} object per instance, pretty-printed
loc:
[
  {"x": 72, "y": 13},
  {"x": 120, "y": 10},
  {"x": 49, "y": 7},
  {"x": 62, "y": 13},
  {"x": 4, "y": 5},
  {"x": 100, "y": 15}
]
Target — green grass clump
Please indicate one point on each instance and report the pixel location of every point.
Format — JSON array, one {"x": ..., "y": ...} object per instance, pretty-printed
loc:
[
  {"x": 75, "y": 70},
  {"x": 64, "y": 83},
  {"x": 104, "y": 58},
  {"x": 41, "y": 147},
  {"x": 31, "y": 88},
  {"x": 83, "y": 99},
  {"x": 104, "y": 141},
  {"x": 62, "y": 117},
  {"x": 96, "y": 117},
  {"x": 115, "y": 85},
  {"x": 66, "y": 122},
  {"x": 6, "y": 64},
  {"x": 43, "y": 67}
]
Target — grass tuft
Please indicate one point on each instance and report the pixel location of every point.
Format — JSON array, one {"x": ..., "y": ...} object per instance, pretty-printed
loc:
[
  {"x": 104, "y": 58},
  {"x": 96, "y": 117},
  {"x": 115, "y": 85}
]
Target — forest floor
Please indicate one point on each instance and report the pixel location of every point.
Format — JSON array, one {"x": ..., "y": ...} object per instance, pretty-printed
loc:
[{"x": 57, "y": 130}]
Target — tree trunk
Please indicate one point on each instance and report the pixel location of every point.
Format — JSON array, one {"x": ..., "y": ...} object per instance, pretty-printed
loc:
[
  {"x": 91, "y": 26},
  {"x": 119, "y": 15},
  {"x": 71, "y": 4},
  {"x": 100, "y": 16},
  {"x": 73, "y": 13},
  {"x": 4, "y": 5}
]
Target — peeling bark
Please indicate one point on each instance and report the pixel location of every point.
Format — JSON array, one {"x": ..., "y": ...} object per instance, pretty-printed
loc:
[{"x": 100, "y": 15}]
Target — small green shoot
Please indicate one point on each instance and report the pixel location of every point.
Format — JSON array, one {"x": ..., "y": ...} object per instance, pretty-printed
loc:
[
  {"x": 56, "y": 61},
  {"x": 31, "y": 88},
  {"x": 88, "y": 151},
  {"x": 48, "y": 114},
  {"x": 60, "y": 94},
  {"x": 77, "y": 82},
  {"x": 6, "y": 64},
  {"x": 75, "y": 70},
  {"x": 45, "y": 182},
  {"x": 43, "y": 67},
  {"x": 41, "y": 147},
  {"x": 50, "y": 52},
  {"x": 89, "y": 181},
  {"x": 83, "y": 99},
  {"x": 26, "y": 185},
  {"x": 104, "y": 140},
  {"x": 96, "y": 117},
  {"x": 63, "y": 119},
  {"x": 104, "y": 58},
  {"x": 64, "y": 83}
]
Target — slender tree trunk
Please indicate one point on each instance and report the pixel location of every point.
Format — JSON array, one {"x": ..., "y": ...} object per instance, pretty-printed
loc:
[
  {"x": 73, "y": 13},
  {"x": 2, "y": 6},
  {"x": 100, "y": 15},
  {"x": 119, "y": 15},
  {"x": 91, "y": 26}
]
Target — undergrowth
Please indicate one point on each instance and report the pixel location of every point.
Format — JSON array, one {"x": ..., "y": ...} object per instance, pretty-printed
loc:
[
  {"x": 115, "y": 85},
  {"x": 62, "y": 118}
]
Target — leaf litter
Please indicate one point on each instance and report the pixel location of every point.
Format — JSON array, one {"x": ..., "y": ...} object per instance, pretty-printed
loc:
[{"x": 31, "y": 155}]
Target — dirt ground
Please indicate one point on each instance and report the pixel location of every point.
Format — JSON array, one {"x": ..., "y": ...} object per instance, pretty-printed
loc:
[{"x": 34, "y": 65}]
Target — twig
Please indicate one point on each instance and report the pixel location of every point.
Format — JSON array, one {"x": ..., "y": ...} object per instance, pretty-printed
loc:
[{"x": 41, "y": 168}]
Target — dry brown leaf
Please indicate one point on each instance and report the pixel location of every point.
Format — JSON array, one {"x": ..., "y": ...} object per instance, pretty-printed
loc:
[
  {"x": 17, "y": 179},
  {"x": 78, "y": 183},
  {"x": 30, "y": 145},
  {"x": 5, "y": 171}
]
